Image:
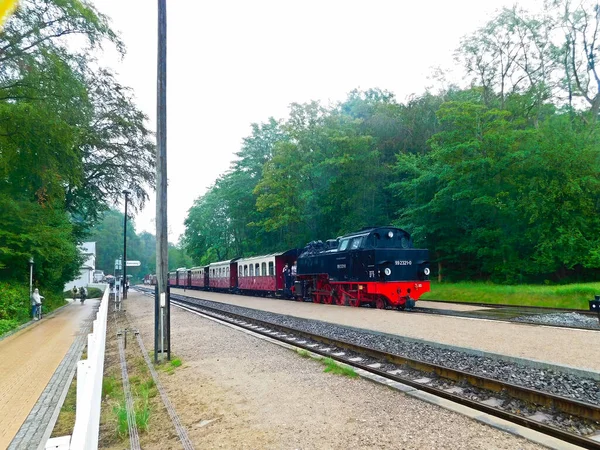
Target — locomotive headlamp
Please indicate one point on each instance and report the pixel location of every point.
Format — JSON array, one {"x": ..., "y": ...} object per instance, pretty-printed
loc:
[
  {"x": 390, "y": 234},
  {"x": 426, "y": 271},
  {"x": 388, "y": 271}
]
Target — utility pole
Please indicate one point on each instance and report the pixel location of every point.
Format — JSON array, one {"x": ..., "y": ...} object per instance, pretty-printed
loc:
[
  {"x": 30, "y": 277},
  {"x": 162, "y": 339},
  {"x": 126, "y": 192}
]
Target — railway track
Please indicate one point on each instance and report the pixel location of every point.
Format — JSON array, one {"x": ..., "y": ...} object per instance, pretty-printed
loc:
[
  {"x": 539, "y": 411},
  {"x": 509, "y": 313}
]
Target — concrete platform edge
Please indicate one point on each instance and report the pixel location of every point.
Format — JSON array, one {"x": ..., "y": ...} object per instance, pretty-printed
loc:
[
  {"x": 495, "y": 422},
  {"x": 58, "y": 407},
  {"x": 536, "y": 364}
]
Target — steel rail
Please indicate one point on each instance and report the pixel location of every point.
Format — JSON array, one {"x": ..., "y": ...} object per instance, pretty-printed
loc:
[
  {"x": 505, "y": 305},
  {"x": 566, "y": 405},
  {"x": 470, "y": 315}
]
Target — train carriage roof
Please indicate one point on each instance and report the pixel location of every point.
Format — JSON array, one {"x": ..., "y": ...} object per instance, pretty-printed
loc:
[
  {"x": 293, "y": 253},
  {"x": 223, "y": 263}
]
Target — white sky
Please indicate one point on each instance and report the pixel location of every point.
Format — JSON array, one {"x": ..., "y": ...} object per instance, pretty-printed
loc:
[{"x": 232, "y": 63}]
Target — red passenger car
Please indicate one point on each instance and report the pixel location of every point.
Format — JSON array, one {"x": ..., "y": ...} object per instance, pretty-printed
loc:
[
  {"x": 199, "y": 277},
  {"x": 222, "y": 275},
  {"x": 264, "y": 274}
]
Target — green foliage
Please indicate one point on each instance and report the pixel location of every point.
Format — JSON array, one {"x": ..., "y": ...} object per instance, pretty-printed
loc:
[
  {"x": 176, "y": 362},
  {"x": 333, "y": 367},
  {"x": 15, "y": 305},
  {"x": 120, "y": 412},
  {"x": 109, "y": 386},
  {"x": 498, "y": 179},
  {"x": 65, "y": 124},
  {"x": 571, "y": 296}
]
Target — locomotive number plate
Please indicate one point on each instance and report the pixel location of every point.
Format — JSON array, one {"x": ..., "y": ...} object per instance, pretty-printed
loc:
[{"x": 403, "y": 263}]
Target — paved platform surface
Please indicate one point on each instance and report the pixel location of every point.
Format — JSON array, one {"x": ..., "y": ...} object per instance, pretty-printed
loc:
[
  {"x": 568, "y": 347},
  {"x": 452, "y": 306},
  {"x": 36, "y": 364}
]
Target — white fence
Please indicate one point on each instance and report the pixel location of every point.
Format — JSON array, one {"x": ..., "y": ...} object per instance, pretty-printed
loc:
[{"x": 89, "y": 388}]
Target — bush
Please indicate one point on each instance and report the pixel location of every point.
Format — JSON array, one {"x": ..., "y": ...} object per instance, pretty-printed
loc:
[
  {"x": 15, "y": 305},
  {"x": 92, "y": 293},
  {"x": 95, "y": 293}
]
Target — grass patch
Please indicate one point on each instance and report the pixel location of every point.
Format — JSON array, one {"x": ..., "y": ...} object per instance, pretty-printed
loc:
[
  {"x": 574, "y": 296},
  {"x": 332, "y": 366},
  {"x": 120, "y": 412},
  {"x": 109, "y": 385},
  {"x": 303, "y": 353},
  {"x": 176, "y": 362},
  {"x": 66, "y": 418},
  {"x": 142, "y": 387},
  {"x": 168, "y": 367}
]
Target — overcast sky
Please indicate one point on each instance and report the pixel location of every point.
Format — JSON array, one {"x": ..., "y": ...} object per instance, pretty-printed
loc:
[{"x": 232, "y": 63}]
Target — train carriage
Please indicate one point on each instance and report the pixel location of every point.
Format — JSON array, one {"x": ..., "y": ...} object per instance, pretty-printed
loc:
[
  {"x": 182, "y": 277},
  {"x": 172, "y": 279},
  {"x": 222, "y": 275},
  {"x": 199, "y": 277},
  {"x": 263, "y": 275}
]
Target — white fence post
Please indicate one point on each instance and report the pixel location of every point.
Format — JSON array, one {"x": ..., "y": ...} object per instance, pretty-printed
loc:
[{"x": 90, "y": 373}]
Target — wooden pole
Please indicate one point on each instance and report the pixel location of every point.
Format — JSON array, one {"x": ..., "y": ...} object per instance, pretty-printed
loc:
[
  {"x": 161, "y": 338},
  {"x": 126, "y": 192}
]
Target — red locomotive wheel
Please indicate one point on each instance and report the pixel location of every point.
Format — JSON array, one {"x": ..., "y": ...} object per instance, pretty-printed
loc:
[
  {"x": 380, "y": 303},
  {"x": 354, "y": 302},
  {"x": 340, "y": 300},
  {"x": 328, "y": 298}
]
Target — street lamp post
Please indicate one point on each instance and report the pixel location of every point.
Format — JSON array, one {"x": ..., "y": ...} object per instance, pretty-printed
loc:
[
  {"x": 30, "y": 276},
  {"x": 126, "y": 192}
]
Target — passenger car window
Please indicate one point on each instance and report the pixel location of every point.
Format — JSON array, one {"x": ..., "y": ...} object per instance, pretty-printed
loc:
[
  {"x": 271, "y": 268},
  {"x": 263, "y": 269},
  {"x": 257, "y": 269},
  {"x": 251, "y": 270}
]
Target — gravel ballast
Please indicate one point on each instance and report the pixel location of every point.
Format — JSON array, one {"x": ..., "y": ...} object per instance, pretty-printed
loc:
[
  {"x": 236, "y": 391},
  {"x": 559, "y": 383},
  {"x": 570, "y": 319}
]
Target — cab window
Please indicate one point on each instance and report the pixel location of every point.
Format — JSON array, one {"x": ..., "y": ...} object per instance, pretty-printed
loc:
[
  {"x": 356, "y": 243},
  {"x": 344, "y": 244}
]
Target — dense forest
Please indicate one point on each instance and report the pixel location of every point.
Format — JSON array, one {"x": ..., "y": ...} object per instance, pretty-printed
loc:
[
  {"x": 497, "y": 178},
  {"x": 71, "y": 139}
]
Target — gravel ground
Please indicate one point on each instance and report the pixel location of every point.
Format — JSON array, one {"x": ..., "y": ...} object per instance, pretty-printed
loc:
[
  {"x": 547, "y": 380},
  {"x": 572, "y": 319},
  {"x": 236, "y": 391}
]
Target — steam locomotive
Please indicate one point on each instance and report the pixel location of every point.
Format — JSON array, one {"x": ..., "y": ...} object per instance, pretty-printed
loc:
[{"x": 377, "y": 267}]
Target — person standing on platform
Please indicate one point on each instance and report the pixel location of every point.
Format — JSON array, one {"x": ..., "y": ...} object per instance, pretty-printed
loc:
[{"x": 36, "y": 303}]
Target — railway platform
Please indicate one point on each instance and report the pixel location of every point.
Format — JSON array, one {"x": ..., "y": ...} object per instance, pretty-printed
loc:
[
  {"x": 565, "y": 347},
  {"x": 37, "y": 365}
]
